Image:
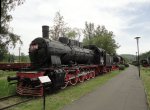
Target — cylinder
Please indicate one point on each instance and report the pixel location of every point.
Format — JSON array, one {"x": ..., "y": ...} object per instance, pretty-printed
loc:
[
  {"x": 45, "y": 31},
  {"x": 12, "y": 78}
]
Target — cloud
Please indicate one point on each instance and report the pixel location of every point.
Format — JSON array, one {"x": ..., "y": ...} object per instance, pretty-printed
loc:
[{"x": 136, "y": 23}]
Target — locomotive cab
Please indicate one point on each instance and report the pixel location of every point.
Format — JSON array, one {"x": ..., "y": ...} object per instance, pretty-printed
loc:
[{"x": 99, "y": 54}]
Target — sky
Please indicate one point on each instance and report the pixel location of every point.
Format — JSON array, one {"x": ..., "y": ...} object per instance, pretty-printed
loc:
[{"x": 126, "y": 18}]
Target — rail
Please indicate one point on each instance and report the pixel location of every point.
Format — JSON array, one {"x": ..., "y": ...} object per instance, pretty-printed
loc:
[{"x": 5, "y": 105}]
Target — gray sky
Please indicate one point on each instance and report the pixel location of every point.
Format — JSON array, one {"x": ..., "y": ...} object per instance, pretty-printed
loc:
[{"x": 126, "y": 18}]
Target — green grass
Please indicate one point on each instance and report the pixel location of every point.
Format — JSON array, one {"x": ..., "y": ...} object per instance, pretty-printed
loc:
[
  {"x": 145, "y": 73},
  {"x": 4, "y": 74},
  {"x": 5, "y": 88},
  {"x": 63, "y": 97}
]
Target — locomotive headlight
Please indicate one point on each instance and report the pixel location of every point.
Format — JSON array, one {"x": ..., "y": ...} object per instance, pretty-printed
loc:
[{"x": 33, "y": 47}]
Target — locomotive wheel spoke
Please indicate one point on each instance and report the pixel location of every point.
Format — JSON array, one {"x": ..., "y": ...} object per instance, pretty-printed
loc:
[
  {"x": 93, "y": 74},
  {"x": 81, "y": 79},
  {"x": 87, "y": 76}
]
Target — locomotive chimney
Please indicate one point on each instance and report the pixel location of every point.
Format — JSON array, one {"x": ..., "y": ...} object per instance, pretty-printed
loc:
[{"x": 45, "y": 31}]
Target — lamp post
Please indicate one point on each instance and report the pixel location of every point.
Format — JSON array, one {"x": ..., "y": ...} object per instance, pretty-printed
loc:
[{"x": 138, "y": 58}]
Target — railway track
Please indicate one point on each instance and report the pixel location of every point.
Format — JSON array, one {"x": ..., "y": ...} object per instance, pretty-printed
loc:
[
  {"x": 13, "y": 100},
  {"x": 6, "y": 97}
]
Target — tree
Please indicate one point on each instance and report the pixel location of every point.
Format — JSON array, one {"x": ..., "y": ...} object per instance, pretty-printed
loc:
[
  {"x": 105, "y": 39},
  {"x": 145, "y": 55},
  {"x": 59, "y": 28},
  {"x": 24, "y": 58},
  {"x": 89, "y": 32},
  {"x": 8, "y": 38},
  {"x": 100, "y": 37},
  {"x": 73, "y": 33}
]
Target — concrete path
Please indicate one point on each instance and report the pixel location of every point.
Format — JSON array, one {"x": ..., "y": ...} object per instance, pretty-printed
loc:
[{"x": 123, "y": 92}]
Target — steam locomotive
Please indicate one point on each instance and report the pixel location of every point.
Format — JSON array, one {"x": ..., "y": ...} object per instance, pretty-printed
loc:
[
  {"x": 65, "y": 62},
  {"x": 145, "y": 62}
]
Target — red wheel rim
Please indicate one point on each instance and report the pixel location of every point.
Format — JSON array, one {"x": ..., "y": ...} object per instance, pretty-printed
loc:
[
  {"x": 65, "y": 85},
  {"x": 87, "y": 76},
  {"x": 74, "y": 81}
]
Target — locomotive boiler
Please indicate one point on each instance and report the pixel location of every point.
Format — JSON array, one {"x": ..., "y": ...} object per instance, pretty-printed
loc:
[{"x": 65, "y": 62}]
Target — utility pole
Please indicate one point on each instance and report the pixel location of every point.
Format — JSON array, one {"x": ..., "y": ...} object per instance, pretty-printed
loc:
[
  {"x": 136, "y": 58},
  {"x": 137, "y": 39},
  {"x": 19, "y": 53}
]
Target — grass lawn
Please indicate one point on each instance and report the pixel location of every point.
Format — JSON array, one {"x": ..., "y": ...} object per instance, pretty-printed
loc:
[
  {"x": 145, "y": 73},
  {"x": 63, "y": 97},
  {"x": 5, "y": 88},
  {"x": 4, "y": 74}
]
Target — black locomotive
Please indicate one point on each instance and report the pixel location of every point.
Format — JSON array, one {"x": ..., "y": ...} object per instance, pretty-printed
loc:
[
  {"x": 44, "y": 53},
  {"x": 65, "y": 62}
]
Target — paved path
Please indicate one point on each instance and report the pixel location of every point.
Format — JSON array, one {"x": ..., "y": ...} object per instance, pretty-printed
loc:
[{"x": 123, "y": 92}]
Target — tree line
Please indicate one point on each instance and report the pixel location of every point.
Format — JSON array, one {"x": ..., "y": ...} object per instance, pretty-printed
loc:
[
  {"x": 11, "y": 58},
  {"x": 145, "y": 55}
]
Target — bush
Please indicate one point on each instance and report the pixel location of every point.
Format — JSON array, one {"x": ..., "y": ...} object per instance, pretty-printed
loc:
[
  {"x": 126, "y": 65},
  {"x": 121, "y": 67}
]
